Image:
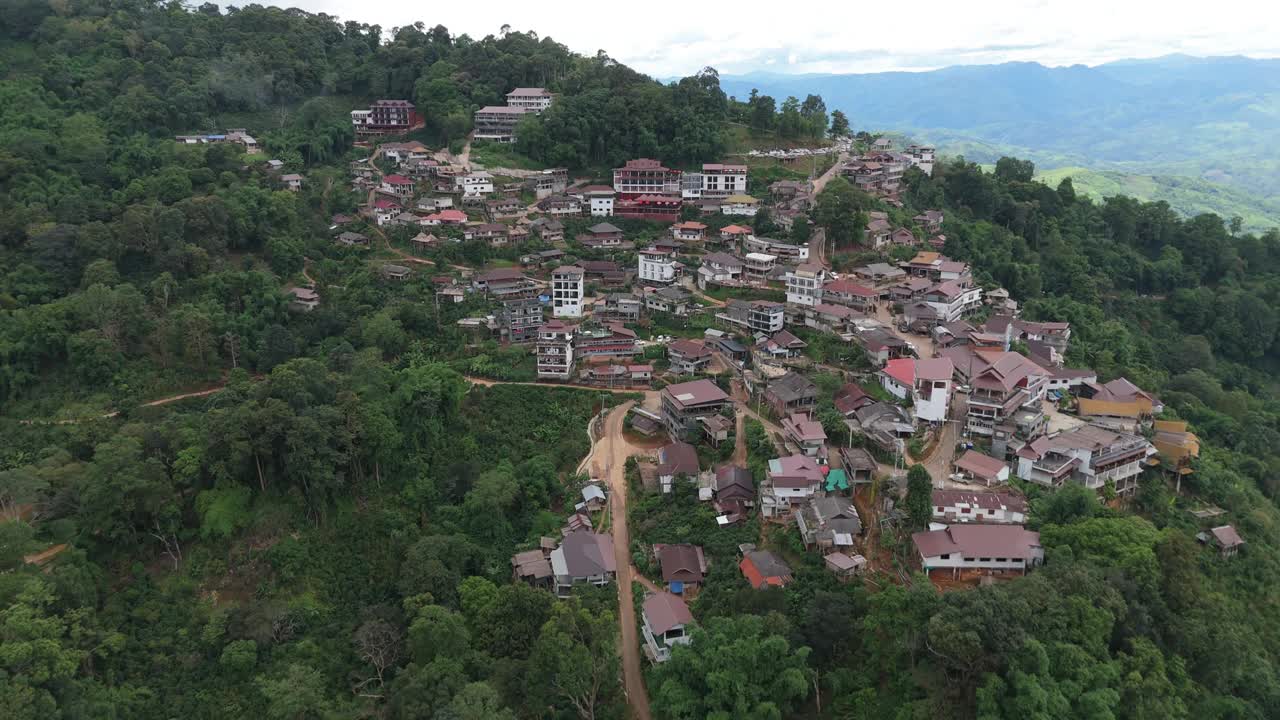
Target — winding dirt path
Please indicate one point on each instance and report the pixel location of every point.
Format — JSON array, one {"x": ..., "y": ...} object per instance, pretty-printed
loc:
[
  {"x": 115, "y": 413},
  {"x": 616, "y": 452}
]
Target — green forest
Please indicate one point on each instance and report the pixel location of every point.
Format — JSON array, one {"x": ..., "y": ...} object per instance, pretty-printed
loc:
[{"x": 329, "y": 535}]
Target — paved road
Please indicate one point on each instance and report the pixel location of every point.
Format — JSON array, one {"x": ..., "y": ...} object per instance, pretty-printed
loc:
[{"x": 617, "y": 450}]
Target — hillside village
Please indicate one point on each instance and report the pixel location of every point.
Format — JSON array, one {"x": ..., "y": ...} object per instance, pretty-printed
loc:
[
  {"x": 659, "y": 283},
  {"x": 408, "y": 374}
]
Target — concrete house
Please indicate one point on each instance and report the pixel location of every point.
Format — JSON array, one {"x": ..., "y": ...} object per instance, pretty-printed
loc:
[
  {"x": 927, "y": 382},
  {"x": 688, "y": 357},
  {"x": 684, "y": 403},
  {"x": 1090, "y": 455}
]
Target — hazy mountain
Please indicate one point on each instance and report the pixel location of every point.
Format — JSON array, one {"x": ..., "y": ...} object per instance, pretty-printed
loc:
[{"x": 1213, "y": 118}]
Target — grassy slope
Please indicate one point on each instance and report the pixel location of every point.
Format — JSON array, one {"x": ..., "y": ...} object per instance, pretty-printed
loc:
[{"x": 1187, "y": 195}]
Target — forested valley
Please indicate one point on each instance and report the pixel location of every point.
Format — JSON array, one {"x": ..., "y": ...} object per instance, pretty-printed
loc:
[{"x": 330, "y": 534}]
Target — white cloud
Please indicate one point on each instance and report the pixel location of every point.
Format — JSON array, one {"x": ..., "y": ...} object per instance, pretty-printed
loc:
[{"x": 665, "y": 38}]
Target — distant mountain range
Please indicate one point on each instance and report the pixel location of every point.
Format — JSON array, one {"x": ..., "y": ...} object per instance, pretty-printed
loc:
[{"x": 1215, "y": 119}]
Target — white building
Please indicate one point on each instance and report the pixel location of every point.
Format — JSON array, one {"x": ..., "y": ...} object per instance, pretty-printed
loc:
[
  {"x": 567, "y": 291},
  {"x": 1090, "y": 455},
  {"x": 951, "y": 301},
  {"x": 555, "y": 351},
  {"x": 715, "y": 181},
  {"x": 535, "y": 99},
  {"x": 657, "y": 266},
  {"x": 601, "y": 201},
  {"x": 804, "y": 285},
  {"x": 927, "y": 382},
  {"x": 740, "y": 204},
  {"x": 474, "y": 184}
]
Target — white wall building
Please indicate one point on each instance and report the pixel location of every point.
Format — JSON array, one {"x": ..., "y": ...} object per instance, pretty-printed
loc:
[
  {"x": 657, "y": 266},
  {"x": 804, "y": 285},
  {"x": 927, "y": 382},
  {"x": 474, "y": 184},
  {"x": 567, "y": 291}
]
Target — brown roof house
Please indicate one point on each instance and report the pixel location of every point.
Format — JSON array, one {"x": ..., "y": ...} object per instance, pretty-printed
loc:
[
  {"x": 735, "y": 489},
  {"x": 533, "y": 567},
  {"x": 676, "y": 459},
  {"x": 684, "y": 403},
  {"x": 683, "y": 566},
  {"x": 1225, "y": 539},
  {"x": 666, "y": 624},
  {"x": 991, "y": 549},
  {"x": 977, "y": 467},
  {"x": 790, "y": 393},
  {"x": 583, "y": 557}
]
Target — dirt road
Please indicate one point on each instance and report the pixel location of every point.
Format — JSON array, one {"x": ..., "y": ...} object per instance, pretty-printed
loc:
[
  {"x": 114, "y": 413},
  {"x": 821, "y": 182},
  {"x": 617, "y": 450}
]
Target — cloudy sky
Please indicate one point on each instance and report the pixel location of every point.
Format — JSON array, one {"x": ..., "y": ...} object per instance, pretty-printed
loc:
[{"x": 665, "y": 38}]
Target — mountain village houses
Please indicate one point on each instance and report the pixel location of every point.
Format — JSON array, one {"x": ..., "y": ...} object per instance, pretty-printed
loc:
[{"x": 658, "y": 283}]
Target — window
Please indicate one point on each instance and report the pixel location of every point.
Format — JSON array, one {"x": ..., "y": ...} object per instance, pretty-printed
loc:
[
  {"x": 941, "y": 509},
  {"x": 947, "y": 556},
  {"x": 966, "y": 511},
  {"x": 986, "y": 560}
]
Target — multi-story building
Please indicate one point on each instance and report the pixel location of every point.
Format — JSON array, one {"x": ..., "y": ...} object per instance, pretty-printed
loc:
[
  {"x": 657, "y": 267},
  {"x": 550, "y": 181},
  {"x": 758, "y": 316},
  {"x": 719, "y": 268},
  {"x": 687, "y": 357},
  {"x": 791, "y": 393},
  {"x": 804, "y": 284},
  {"x": 951, "y": 300},
  {"x": 600, "y": 199},
  {"x": 555, "y": 351},
  {"x": 789, "y": 483},
  {"x": 624, "y": 307},
  {"x": 684, "y": 404},
  {"x": 927, "y": 382},
  {"x": 384, "y": 117},
  {"x": 757, "y": 266},
  {"x": 922, "y": 156},
  {"x": 609, "y": 340},
  {"x": 532, "y": 99},
  {"x": 716, "y": 181},
  {"x": 777, "y": 248},
  {"x": 498, "y": 122},
  {"x": 1008, "y": 383},
  {"x": 474, "y": 184},
  {"x": 1089, "y": 455},
  {"x": 667, "y": 623},
  {"x": 520, "y": 319},
  {"x": 567, "y": 291},
  {"x": 646, "y": 177}
]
